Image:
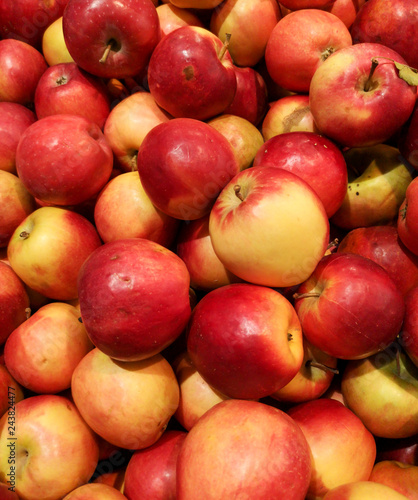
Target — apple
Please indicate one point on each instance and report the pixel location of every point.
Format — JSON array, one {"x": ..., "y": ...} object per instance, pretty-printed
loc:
[
  {"x": 127, "y": 403},
  {"x": 134, "y": 298},
  {"x": 359, "y": 490},
  {"x": 191, "y": 74},
  {"x": 349, "y": 307},
  {"x": 183, "y": 165},
  {"x": 378, "y": 178},
  {"x": 124, "y": 210},
  {"x": 303, "y": 4},
  {"x": 408, "y": 140},
  {"x": 91, "y": 491},
  {"x": 243, "y": 448},
  {"x": 6, "y": 493},
  {"x": 403, "y": 450},
  {"x": 48, "y": 248},
  {"x": 383, "y": 391},
  {"x": 16, "y": 203},
  {"x": 151, "y": 472},
  {"x": 53, "y": 44},
  {"x": 14, "y": 120},
  {"x": 357, "y": 97},
  {"x": 51, "y": 451},
  {"x": 314, "y": 158},
  {"x": 114, "y": 479},
  {"x": 11, "y": 391},
  {"x": 408, "y": 337},
  {"x": 269, "y": 227},
  {"x": 346, "y": 10},
  {"x": 111, "y": 39},
  {"x": 397, "y": 475},
  {"x": 172, "y": 17},
  {"x": 21, "y": 67},
  {"x": 406, "y": 222},
  {"x": 292, "y": 57}
]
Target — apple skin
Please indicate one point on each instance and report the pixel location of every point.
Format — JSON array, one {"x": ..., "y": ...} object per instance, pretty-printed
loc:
[
  {"x": 6, "y": 493},
  {"x": 55, "y": 449},
  {"x": 134, "y": 298},
  {"x": 303, "y": 4},
  {"x": 132, "y": 28},
  {"x": 53, "y": 44},
  {"x": 252, "y": 354},
  {"x": 406, "y": 224},
  {"x": 397, "y": 475},
  {"x": 408, "y": 140},
  {"x": 359, "y": 490},
  {"x": 172, "y": 17},
  {"x": 183, "y": 165},
  {"x": 373, "y": 24},
  {"x": 316, "y": 159},
  {"x": 151, "y": 473},
  {"x": 335, "y": 435},
  {"x": 409, "y": 334},
  {"x": 40, "y": 247},
  {"x": 43, "y": 352},
  {"x": 356, "y": 308},
  {"x": 10, "y": 390},
  {"x": 127, "y": 403},
  {"x": 90, "y": 491},
  {"x": 299, "y": 43},
  {"x": 372, "y": 386},
  {"x": 187, "y": 77},
  {"x": 123, "y": 210},
  {"x": 349, "y": 114},
  {"x": 346, "y": 10},
  {"x": 67, "y": 89},
  {"x": 21, "y": 67},
  {"x": 383, "y": 245},
  {"x": 403, "y": 450},
  {"x": 14, "y": 120},
  {"x": 243, "y": 448},
  {"x": 286, "y": 220},
  {"x": 195, "y": 4}
]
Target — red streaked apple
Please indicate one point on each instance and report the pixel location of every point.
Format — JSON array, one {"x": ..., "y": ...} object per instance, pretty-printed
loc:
[
  {"x": 53, "y": 44},
  {"x": 11, "y": 391},
  {"x": 397, "y": 475},
  {"x": 127, "y": 403},
  {"x": 269, "y": 227},
  {"x": 172, "y": 17},
  {"x": 408, "y": 337},
  {"x": 91, "y": 491},
  {"x": 359, "y": 490}
]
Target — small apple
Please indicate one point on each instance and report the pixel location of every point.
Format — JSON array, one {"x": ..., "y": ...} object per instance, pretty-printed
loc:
[{"x": 53, "y": 44}]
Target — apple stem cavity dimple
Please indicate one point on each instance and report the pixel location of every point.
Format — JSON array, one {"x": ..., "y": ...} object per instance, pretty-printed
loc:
[
  {"x": 111, "y": 45},
  {"x": 368, "y": 84},
  {"x": 237, "y": 190},
  {"x": 225, "y": 46},
  {"x": 62, "y": 80},
  {"x": 24, "y": 235},
  {"x": 315, "y": 364}
]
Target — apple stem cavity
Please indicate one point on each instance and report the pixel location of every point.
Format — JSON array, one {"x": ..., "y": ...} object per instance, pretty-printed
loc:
[
  {"x": 315, "y": 364},
  {"x": 369, "y": 82},
  {"x": 112, "y": 45},
  {"x": 306, "y": 295},
  {"x": 225, "y": 46},
  {"x": 24, "y": 235},
  {"x": 237, "y": 190}
]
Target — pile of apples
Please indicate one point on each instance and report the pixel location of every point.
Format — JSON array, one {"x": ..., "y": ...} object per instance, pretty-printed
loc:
[{"x": 209, "y": 249}]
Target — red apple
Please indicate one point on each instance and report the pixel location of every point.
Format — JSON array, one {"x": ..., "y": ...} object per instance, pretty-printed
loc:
[
  {"x": 397, "y": 475},
  {"x": 172, "y": 17},
  {"x": 349, "y": 307},
  {"x": 408, "y": 141},
  {"x": 93, "y": 491},
  {"x": 409, "y": 334},
  {"x": 360, "y": 490},
  {"x": 111, "y": 39},
  {"x": 10, "y": 391},
  {"x": 407, "y": 224},
  {"x": 346, "y": 10},
  {"x": 191, "y": 74}
]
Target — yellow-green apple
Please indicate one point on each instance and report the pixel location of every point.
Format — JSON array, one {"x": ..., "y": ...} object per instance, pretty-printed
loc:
[
  {"x": 314, "y": 158},
  {"x": 288, "y": 114},
  {"x": 244, "y": 137},
  {"x": 183, "y": 165},
  {"x": 194, "y": 247},
  {"x": 378, "y": 178},
  {"x": 397, "y": 475},
  {"x": 360, "y": 490},
  {"x": 51, "y": 451},
  {"x": 111, "y": 39},
  {"x": 196, "y": 395},
  {"x": 11, "y": 391},
  {"x": 64, "y": 172},
  {"x": 243, "y": 449},
  {"x": 383, "y": 245},
  {"x": 92, "y": 491},
  {"x": 16, "y": 203},
  {"x": 191, "y": 74},
  {"x": 335, "y": 436},
  {"x": 408, "y": 140},
  {"x": 124, "y": 210},
  {"x": 373, "y": 23},
  {"x": 300, "y": 43},
  {"x": 195, "y": 4},
  {"x": 127, "y": 403},
  {"x": 14, "y": 301},
  {"x": 67, "y": 89},
  {"x": 346, "y": 10},
  {"x": 252, "y": 353},
  {"x": 349, "y": 307},
  {"x": 134, "y": 298},
  {"x": 172, "y": 17},
  {"x": 43, "y": 352},
  {"x": 406, "y": 223},
  {"x": 53, "y": 44},
  {"x": 408, "y": 337},
  {"x": 403, "y": 450},
  {"x": 48, "y": 248},
  {"x": 151, "y": 473},
  {"x": 14, "y": 120},
  {"x": 250, "y": 22},
  {"x": 383, "y": 391},
  {"x": 269, "y": 227},
  {"x": 21, "y": 66},
  {"x": 357, "y": 97},
  {"x": 313, "y": 378}
]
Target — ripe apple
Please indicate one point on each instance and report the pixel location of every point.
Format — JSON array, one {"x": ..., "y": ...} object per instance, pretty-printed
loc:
[
  {"x": 183, "y": 165},
  {"x": 357, "y": 97},
  {"x": 134, "y": 298},
  {"x": 48, "y": 248},
  {"x": 11, "y": 391},
  {"x": 408, "y": 140},
  {"x": 409, "y": 335},
  {"x": 269, "y": 227},
  {"x": 397, "y": 475},
  {"x": 54, "y": 450},
  {"x": 292, "y": 56},
  {"x": 346, "y": 10},
  {"x": 53, "y": 44},
  {"x": 172, "y": 17},
  {"x": 360, "y": 490},
  {"x": 314, "y": 158},
  {"x": 91, "y": 491},
  {"x": 111, "y": 39},
  {"x": 383, "y": 391},
  {"x": 407, "y": 226},
  {"x": 191, "y": 74},
  {"x": 127, "y": 403}
]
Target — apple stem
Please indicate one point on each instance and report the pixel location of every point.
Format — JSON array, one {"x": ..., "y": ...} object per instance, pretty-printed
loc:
[
  {"x": 368, "y": 84},
  {"x": 24, "y": 234},
  {"x": 28, "y": 312},
  {"x": 106, "y": 52},
  {"x": 297, "y": 296},
  {"x": 333, "y": 244},
  {"x": 225, "y": 46},
  {"x": 237, "y": 190},
  {"x": 326, "y": 368}
]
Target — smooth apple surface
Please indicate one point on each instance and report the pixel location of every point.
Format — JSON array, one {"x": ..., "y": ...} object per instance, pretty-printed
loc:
[
  {"x": 397, "y": 475},
  {"x": 359, "y": 490},
  {"x": 409, "y": 334},
  {"x": 92, "y": 491},
  {"x": 408, "y": 140},
  {"x": 11, "y": 391},
  {"x": 406, "y": 223},
  {"x": 53, "y": 44},
  {"x": 172, "y": 17},
  {"x": 346, "y": 10}
]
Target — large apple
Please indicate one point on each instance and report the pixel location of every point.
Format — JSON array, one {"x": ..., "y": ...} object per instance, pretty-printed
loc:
[
  {"x": 409, "y": 335},
  {"x": 53, "y": 44},
  {"x": 397, "y": 475},
  {"x": 269, "y": 227},
  {"x": 244, "y": 448}
]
